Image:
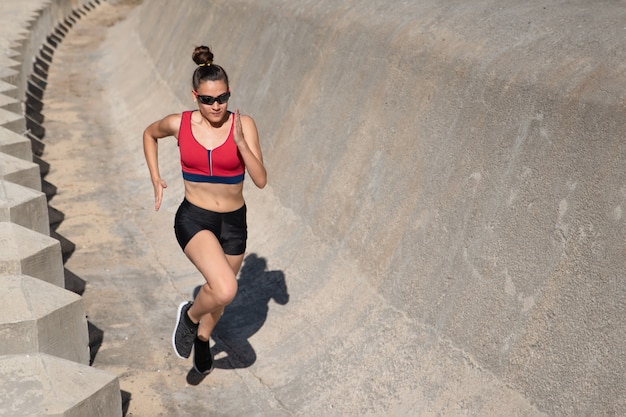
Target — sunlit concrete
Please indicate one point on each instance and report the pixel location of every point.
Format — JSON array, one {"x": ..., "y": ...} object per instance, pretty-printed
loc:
[{"x": 443, "y": 230}]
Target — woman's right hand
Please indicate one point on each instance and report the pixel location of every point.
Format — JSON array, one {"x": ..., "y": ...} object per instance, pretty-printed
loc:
[
  {"x": 168, "y": 126},
  {"x": 158, "y": 184}
]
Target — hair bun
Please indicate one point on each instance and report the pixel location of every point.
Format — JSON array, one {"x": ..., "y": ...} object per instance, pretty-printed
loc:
[{"x": 202, "y": 55}]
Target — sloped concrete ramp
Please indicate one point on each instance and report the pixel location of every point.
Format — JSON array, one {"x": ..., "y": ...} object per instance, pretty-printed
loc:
[{"x": 443, "y": 233}]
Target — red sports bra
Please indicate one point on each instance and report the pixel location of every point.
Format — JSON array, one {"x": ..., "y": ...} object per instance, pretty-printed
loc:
[{"x": 222, "y": 164}]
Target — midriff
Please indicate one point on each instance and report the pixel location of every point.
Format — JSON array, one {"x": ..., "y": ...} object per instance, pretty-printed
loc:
[{"x": 221, "y": 198}]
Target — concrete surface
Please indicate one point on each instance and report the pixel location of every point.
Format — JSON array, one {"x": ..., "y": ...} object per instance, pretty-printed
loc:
[
  {"x": 11, "y": 120},
  {"x": 41, "y": 317},
  {"x": 15, "y": 145},
  {"x": 30, "y": 253},
  {"x": 19, "y": 171},
  {"x": 67, "y": 389},
  {"x": 38, "y": 319},
  {"x": 443, "y": 231},
  {"x": 24, "y": 206}
]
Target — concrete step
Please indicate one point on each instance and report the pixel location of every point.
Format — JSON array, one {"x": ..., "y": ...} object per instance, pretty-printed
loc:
[
  {"x": 8, "y": 89},
  {"x": 38, "y": 317},
  {"x": 30, "y": 253},
  {"x": 13, "y": 121},
  {"x": 47, "y": 386},
  {"x": 24, "y": 206},
  {"x": 19, "y": 171},
  {"x": 44, "y": 338},
  {"x": 11, "y": 104},
  {"x": 15, "y": 145}
]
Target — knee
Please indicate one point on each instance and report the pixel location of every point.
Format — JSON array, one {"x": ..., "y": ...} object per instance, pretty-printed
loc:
[{"x": 224, "y": 294}]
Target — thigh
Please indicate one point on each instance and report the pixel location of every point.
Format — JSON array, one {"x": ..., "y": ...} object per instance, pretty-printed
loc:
[
  {"x": 205, "y": 252},
  {"x": 235, "y": 262}
]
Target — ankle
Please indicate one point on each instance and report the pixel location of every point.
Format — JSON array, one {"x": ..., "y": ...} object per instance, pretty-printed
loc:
[{"x": 191, "y": 319}]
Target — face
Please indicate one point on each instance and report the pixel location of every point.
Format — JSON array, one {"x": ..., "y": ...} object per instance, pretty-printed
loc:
[{"x": 214, "y": 112}]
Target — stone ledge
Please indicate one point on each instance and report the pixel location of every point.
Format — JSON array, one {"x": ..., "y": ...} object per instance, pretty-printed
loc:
[
  {"x": 38, "y": 317},
  {"x": 46, "y": 386},
  {"x": 25, "y": 207},
  {"x": 30, "y": 253}
]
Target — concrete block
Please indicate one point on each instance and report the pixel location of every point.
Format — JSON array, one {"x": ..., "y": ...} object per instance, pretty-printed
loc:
[
  {"x": 19, "y": 171},
  {"x": 23, "y": 251},
  {"x": 38, "y": 317},
  {"x": 12, "y": 120},
  {"x": 8, "y": 89},
  {"x": 9, "y": 75},
  {"x": 14, "y": 144},
  {"x": 10, "y": 62},
  {"x": 24, "y": 206},
  {"x": 11, "y": 104},
  {"x": 46, "y": 386}
]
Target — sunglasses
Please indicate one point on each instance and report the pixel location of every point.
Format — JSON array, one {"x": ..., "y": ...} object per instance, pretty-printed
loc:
[{"x": 221, "y": 99}]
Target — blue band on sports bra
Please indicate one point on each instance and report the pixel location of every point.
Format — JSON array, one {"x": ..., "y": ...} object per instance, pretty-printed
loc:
[{"x": 212, "y": 178}]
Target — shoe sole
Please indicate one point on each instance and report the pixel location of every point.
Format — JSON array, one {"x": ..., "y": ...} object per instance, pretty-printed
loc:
[
  {"x": 202, "y": 373},
  {"x": 178, "y": 314}
]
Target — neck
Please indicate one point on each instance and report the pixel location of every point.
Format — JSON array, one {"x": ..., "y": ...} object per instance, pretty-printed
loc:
[{"x": 214, "y": 125}]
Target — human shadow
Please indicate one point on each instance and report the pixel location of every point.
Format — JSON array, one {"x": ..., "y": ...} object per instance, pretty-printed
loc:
[{"x": 247, "y": 313}]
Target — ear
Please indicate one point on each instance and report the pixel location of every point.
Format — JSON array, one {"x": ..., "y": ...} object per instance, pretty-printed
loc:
[{"x": 194, "y": 95}]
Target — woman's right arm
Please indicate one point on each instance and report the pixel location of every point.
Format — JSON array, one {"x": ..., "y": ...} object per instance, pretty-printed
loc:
[{"x": 168, "y": 126}]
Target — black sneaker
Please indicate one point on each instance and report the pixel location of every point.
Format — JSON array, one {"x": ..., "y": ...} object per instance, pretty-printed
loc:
[
  {"x": 185, "y": 331},
  {"x": 202, "y": 357}
]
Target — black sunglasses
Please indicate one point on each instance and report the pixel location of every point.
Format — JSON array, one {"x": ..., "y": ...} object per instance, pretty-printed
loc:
[{"x": 221, "y": 99}]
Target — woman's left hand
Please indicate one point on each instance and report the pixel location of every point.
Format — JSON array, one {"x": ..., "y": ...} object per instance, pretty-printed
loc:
[
  {"x": 238, "y": 134},
  {"x": 249, "y": 148}
]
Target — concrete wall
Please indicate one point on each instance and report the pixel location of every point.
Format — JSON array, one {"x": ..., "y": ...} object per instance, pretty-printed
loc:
[
  {"x": 464, "y": 159},
  {"x": 43, "y": 328}
]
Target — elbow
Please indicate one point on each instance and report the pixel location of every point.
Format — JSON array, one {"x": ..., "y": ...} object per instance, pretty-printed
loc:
[
  {"x": 258, "y": 176},
  {"x": 147, "y": 138},
  {"x": 261, "y": 182}
]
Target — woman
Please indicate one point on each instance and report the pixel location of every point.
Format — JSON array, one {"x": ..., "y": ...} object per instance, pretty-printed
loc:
[{"x": 216, "y": 147}]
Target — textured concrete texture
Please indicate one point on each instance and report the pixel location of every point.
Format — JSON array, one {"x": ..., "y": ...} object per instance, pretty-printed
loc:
[
  {"x": 41, "y": 317},
  {"x": 38, "y": 319},
  {"x": 41, "y": 385},
  {"x": 30, "y": 253},
  {"x": 15, "y": 145},
  {"x": 19, "y": 171},
  {"x": 24, "y": 206},
  {"x": 443, "y": 231}
]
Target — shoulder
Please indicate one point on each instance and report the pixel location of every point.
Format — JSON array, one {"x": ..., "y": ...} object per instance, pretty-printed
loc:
[
  {"x": 175, "y": 117},
  {"x": 171, "y": 122},
  {"x": 167, "y": 126},
  {"x": 247, "y": 121}
]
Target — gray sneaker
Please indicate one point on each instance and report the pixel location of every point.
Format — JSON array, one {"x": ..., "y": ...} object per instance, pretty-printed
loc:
[{"x": 185, "y": 331}]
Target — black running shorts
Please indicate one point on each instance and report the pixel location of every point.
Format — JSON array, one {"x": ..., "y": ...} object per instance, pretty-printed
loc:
[{"x": 229, "y": 228}]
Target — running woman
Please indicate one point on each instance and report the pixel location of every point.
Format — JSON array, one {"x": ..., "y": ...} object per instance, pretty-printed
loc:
[{"x": 216, "y": 147}]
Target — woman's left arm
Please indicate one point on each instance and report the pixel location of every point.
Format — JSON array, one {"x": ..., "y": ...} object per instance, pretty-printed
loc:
[{"x": 247, "y": 140}]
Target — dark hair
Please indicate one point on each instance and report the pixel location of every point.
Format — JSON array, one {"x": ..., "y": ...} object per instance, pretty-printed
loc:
[{"x": 206, "y": 70}]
